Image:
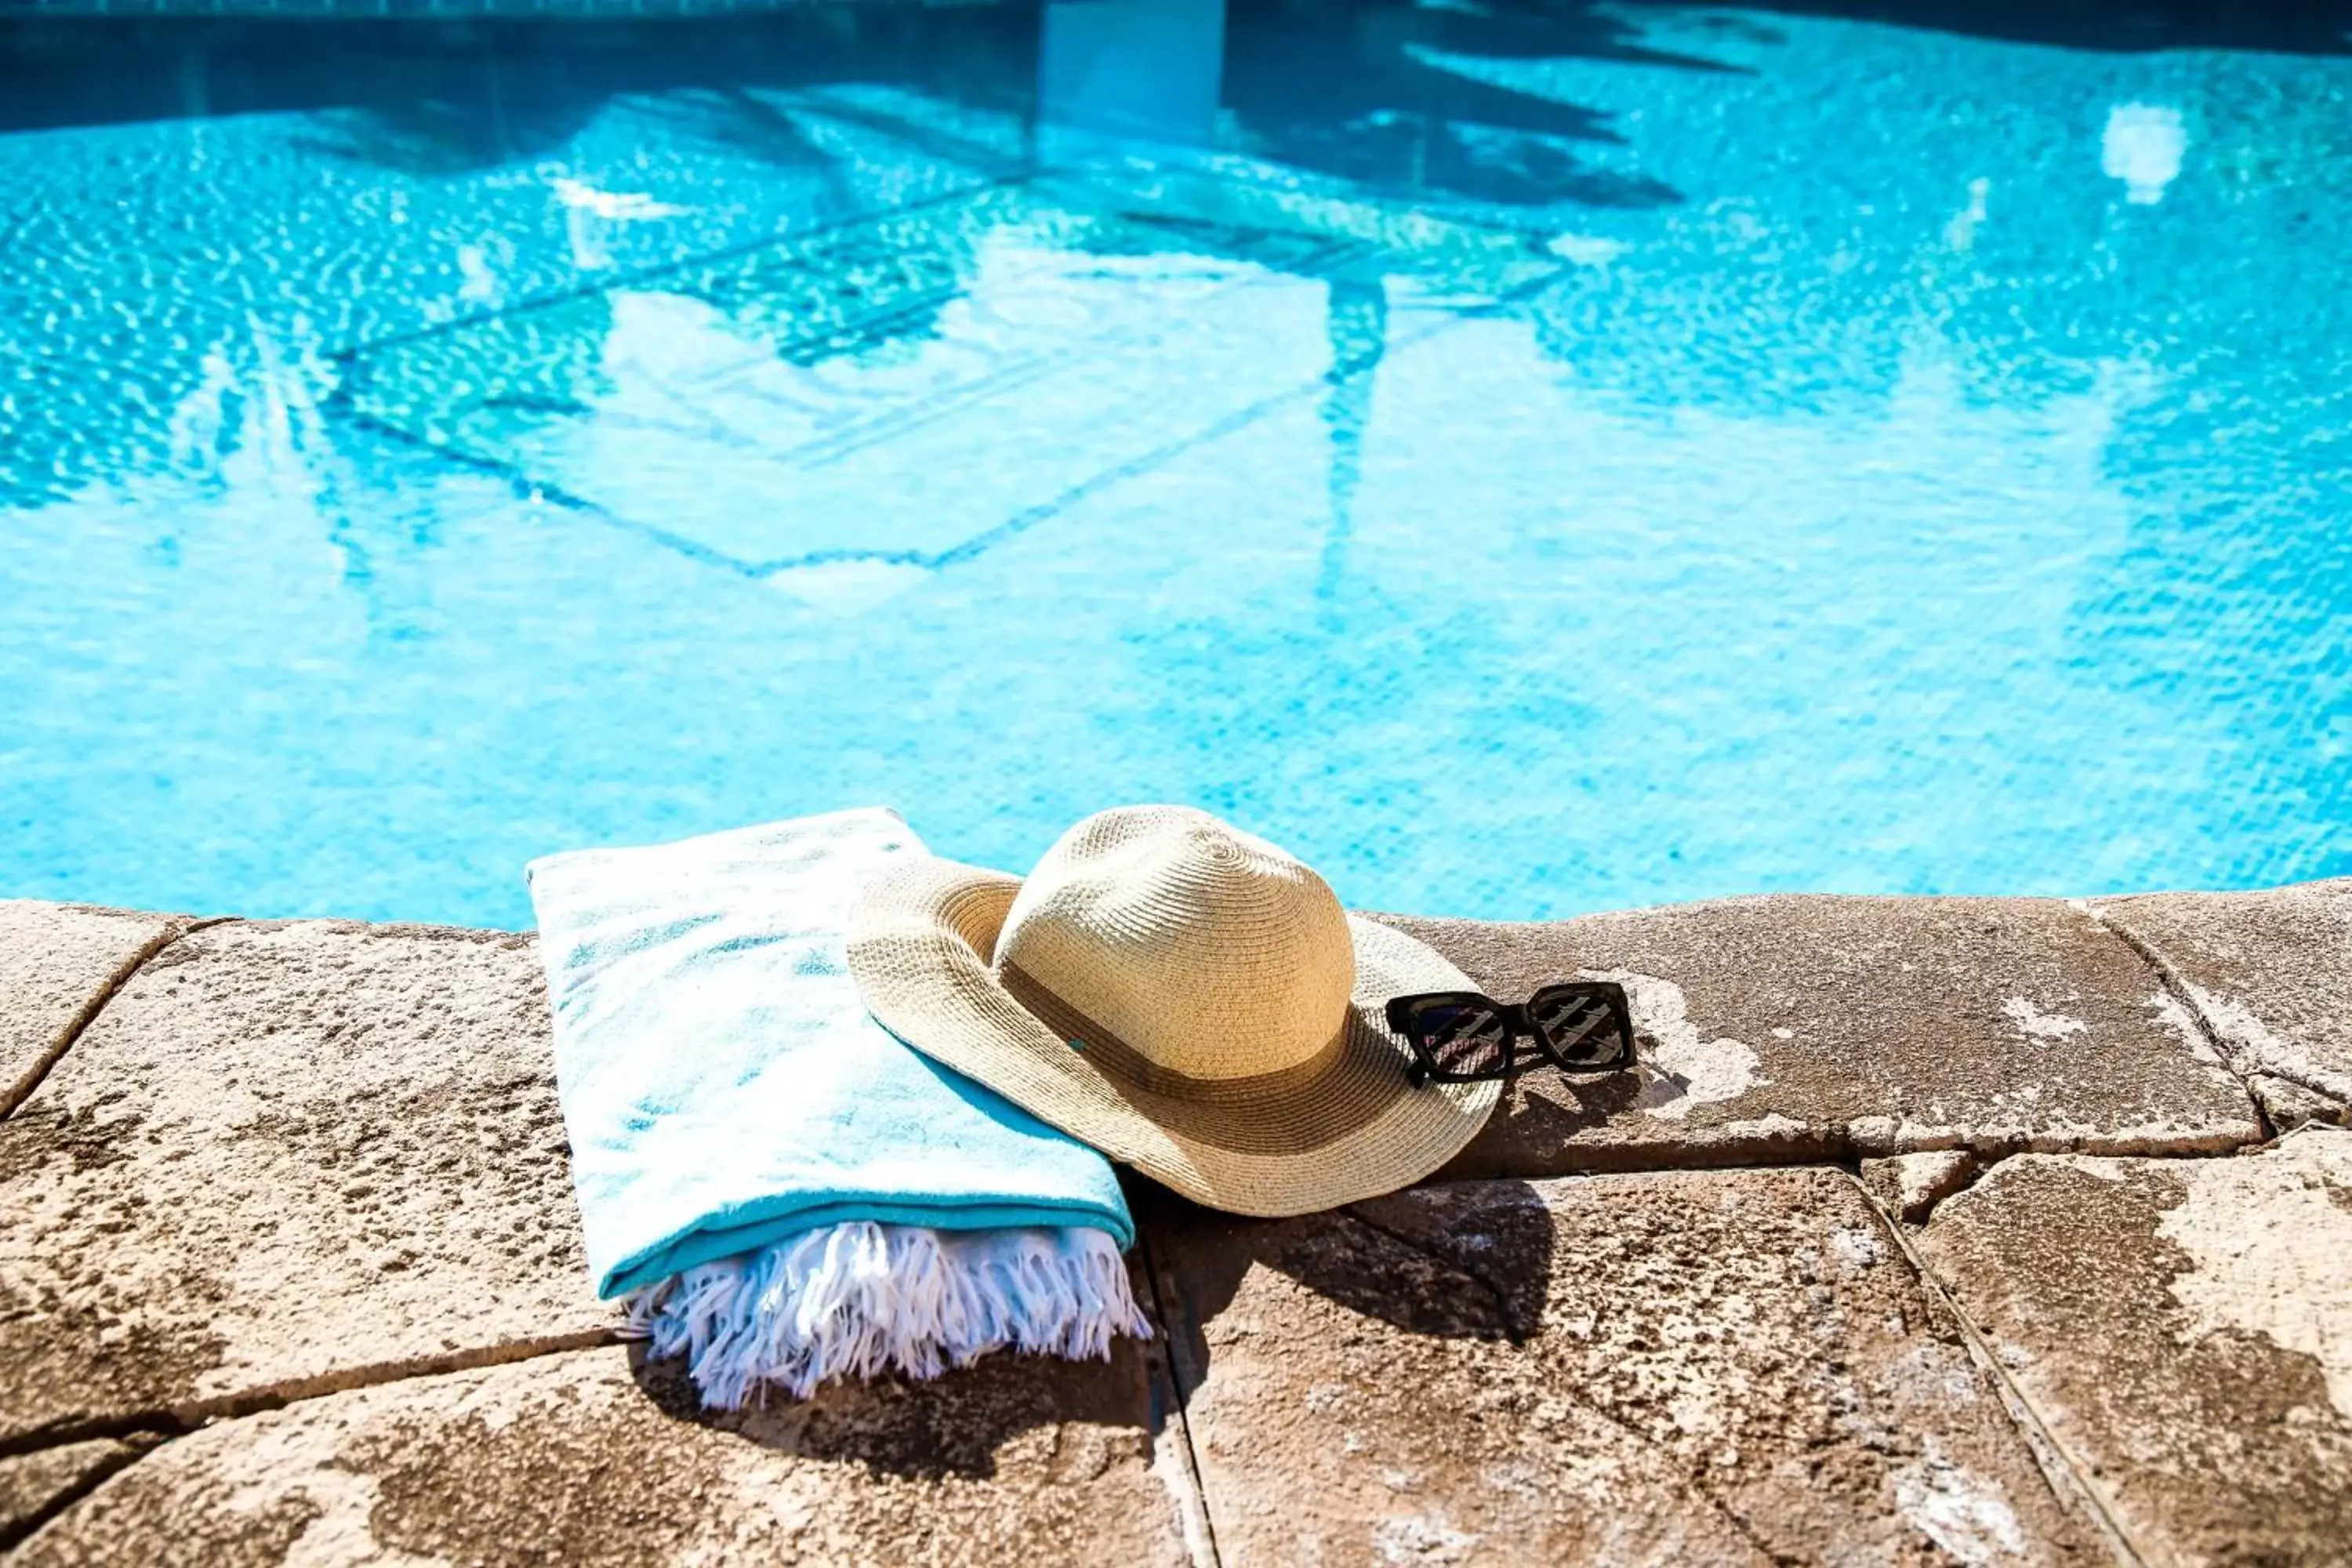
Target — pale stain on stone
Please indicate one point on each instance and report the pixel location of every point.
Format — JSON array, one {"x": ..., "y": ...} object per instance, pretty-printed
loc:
[
  {"x": 2031, "y": 1020},
  {"x": 2265, "y": 1050},
  {"x": 1859, "y": 1248},
  {"x": 1878, "y": 1062},
  {"x": 1420, "y": 1538},
  {"x": 2272, "y": 1258},
  {"x": 1680, "y": 1067},
  {"x": 2127, "y": 1321},
  {"x": 2170, "y": 1012},
  {"x": 2271, "y": 973},
  {"x": 2237, "y": 1024},
  {"x": 1966, "y": 1514},
  {"x": 1765, "y": 1128}
]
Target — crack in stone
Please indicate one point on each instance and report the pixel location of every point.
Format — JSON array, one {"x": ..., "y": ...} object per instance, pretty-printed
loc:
[
  {"x": 78, "y": 1025},
  {"x": 1179, "y": 1415},
  {"x": 1988, "y": 1163},
  {"x": 1519, "y": 1341},
  {"x": 2224, "y": 1050},
  {"x": 179, "y": 1420},
  {"x": 1698, "y": 1488},
  {"x": 1985, "y": 1168},
  {"x": 147, "y": 1430},
  {"x": 2067, "y": 1476},
  {"x": 134, "y": 1450}
]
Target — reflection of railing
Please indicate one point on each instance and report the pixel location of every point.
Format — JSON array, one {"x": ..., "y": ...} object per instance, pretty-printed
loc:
[{"x": 430, "y": 10}]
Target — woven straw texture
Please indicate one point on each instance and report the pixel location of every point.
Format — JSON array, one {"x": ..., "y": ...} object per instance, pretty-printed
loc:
[{"x": 1185, "y": 997}]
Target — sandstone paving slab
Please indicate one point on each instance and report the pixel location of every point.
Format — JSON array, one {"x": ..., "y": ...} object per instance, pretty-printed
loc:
[
  {"x": 57, "y": 962},
  {"x": 287, "y": 1158},
  {"x": 1718, "y": 1367},
  {"x": 2271, "y": 973},
  {"x": 1791, "y": 1029},
  {"x": 2184, "y": 1329},
  {"x": 592, "y": 1457},
  {"x": 31, "y": 1485}
]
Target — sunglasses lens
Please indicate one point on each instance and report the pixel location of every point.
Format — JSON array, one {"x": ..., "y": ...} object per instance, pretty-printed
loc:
[
  {"x": 1461, "y": 1037},
  {"x": 1581, "y": 1028}
]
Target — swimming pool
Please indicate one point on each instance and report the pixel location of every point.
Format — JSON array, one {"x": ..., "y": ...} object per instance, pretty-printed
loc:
[{"x": 1523, "y": 458}]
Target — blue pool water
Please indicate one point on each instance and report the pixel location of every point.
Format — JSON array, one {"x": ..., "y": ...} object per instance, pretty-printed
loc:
[{"x": 1526, "y": 458}]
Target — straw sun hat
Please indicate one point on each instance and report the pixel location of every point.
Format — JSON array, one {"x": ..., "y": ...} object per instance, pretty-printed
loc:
[{"x": 1187, "y": 998}]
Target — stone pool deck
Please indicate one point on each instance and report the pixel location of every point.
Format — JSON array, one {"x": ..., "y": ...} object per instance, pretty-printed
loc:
[{"x": 1939, "y": 1229}]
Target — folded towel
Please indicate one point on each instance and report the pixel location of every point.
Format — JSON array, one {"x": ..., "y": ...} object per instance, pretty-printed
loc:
[{"x": 784, "y": 1190}]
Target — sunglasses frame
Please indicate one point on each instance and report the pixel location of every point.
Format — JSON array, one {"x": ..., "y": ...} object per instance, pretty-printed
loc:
[{"x": 1516, "y": 1016}]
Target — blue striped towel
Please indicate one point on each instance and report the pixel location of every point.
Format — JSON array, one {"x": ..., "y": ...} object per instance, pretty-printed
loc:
[{"x": 780, "y": 1189}]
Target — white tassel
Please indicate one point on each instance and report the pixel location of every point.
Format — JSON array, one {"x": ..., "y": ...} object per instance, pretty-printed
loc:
[{"x": 858, "y": 1299}]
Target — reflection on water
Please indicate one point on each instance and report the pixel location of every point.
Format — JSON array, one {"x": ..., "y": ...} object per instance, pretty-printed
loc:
[
  {"x": 1526, "y": 457},
  {"x": 1150, "y": 69}
]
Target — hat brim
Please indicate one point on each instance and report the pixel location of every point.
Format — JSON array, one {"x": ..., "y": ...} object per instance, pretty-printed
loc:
[{"x": 1347, "y": 1126}]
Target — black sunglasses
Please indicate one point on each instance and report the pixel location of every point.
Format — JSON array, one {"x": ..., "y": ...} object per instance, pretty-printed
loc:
[{"x": 1460, "y": 1036}]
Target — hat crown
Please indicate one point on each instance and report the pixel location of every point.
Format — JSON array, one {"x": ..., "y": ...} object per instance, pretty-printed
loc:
[{"x": 1206, "y": 951}]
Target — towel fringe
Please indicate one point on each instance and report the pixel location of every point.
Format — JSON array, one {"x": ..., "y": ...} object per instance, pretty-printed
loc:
[{"x": 862, "y": 1298}]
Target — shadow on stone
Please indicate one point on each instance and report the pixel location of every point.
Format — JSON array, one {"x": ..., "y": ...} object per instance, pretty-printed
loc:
[
  {"x": 1550, "y": 1124},
  {"x": 1542, "y": 1113},
  {"x": 952, "y": 1427},
  {"x": 1458, "y": 1262}
]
